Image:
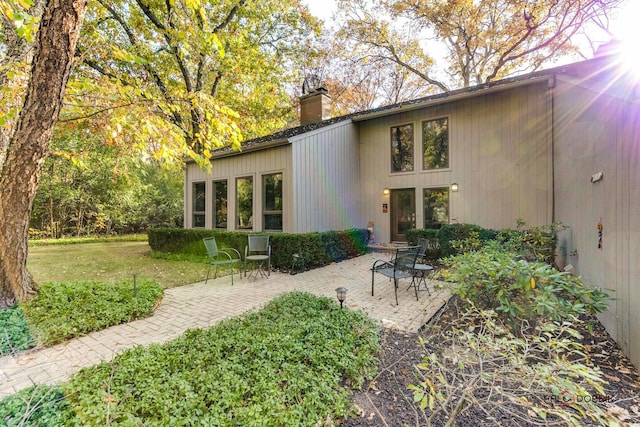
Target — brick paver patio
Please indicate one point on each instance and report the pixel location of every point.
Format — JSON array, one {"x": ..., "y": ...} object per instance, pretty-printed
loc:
[{"x": 200, "y": 305}]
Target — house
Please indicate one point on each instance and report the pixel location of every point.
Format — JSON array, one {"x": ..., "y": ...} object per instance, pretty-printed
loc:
[{"x": 558, "y": 145}]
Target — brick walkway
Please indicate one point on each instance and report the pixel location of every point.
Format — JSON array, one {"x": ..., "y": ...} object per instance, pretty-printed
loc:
[{"x": 199, "y": 305}]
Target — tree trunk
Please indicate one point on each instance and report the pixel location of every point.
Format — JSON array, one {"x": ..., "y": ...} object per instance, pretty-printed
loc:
[
  {"x": 29, "y": 144},
  {"x": 18, "y": 51}
]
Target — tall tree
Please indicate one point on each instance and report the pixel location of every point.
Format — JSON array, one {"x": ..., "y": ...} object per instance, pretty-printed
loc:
[
  {"x": 88, "y": 188},
  {"x": 185, "y": 77},
  {"x": 357, "y": 81},
  {"x": 483, "y": 40},
  {"x": 28, "y": 144}
]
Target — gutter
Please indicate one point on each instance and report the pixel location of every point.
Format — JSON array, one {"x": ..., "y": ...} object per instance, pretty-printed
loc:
[
  {"x": 228, "y": 152},
  {"x": 453, "y": 96}
]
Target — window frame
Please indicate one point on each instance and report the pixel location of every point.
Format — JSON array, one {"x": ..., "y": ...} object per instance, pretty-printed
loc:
[
  {"x": 410, "y": 151},
  {"x": 238, "y": 216},
  {"x": 432, "y": 225},
  {"x": 425, "y": 167},
  {"x": 266, "y": 212},
  {"x": 214, "y": 199},
  {"x": 195, "y": 194}
]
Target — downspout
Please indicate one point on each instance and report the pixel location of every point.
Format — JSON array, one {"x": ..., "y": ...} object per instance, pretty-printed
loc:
[
  {"x": 186, "y": 196},
  {"x": 551, "y": 85}
]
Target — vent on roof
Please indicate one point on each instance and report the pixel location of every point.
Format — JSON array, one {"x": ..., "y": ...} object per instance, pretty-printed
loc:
[{"x": 315, "y": 102}]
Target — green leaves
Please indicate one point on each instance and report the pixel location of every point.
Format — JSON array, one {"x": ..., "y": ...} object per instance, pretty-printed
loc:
[
  {"x": 15, "y": 335},
  {"x": 520, "y": 290},
  {"x": 183, "y": 78},
  {"x": 282, "y": 365},
  {"x": 41, "y": 406},
  {"x": 473, "y": 358},
  {"x": 17, "y": 11},
  {"x": 64, "y": 310}
]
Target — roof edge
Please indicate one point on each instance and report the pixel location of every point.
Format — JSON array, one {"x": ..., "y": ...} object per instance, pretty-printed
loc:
[{"x": 452, "y": 96}]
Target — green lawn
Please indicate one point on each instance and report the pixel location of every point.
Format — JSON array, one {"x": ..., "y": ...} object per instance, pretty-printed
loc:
[{"x": 108, "y": 261}]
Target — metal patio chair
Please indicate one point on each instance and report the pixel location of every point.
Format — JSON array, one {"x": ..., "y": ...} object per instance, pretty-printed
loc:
[
  {"x": 258, "y": 251},
  {"x": 218, "y": 257},
  {"x": 401, "y": 266}
]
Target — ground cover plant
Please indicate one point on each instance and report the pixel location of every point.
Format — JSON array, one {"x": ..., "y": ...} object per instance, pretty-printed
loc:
[
  {"x": 293, "y": 362},
  {"x": 15, "y": 335},
  {"x": 108, "y": 266},
  {"x": 65, "y": 310},
  {"x": 41, "y": 406}
]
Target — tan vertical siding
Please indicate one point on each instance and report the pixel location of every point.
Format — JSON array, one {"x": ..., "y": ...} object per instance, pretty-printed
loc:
[
  {"x": 500, "y": 150},
  {"x": 326, "y": 179},
  {"x": 250, "y": 164},
  {"x": 597, "y": 133}
]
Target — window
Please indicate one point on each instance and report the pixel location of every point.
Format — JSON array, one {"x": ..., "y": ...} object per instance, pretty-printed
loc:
[
  {"x": 199, "y": 203},
  {"x": 435, "y": 144},
  {"x": 220, "y": 204},
  {"x": 272, "y": 208},
  {"x": 402, "y": 148},
  {"x": 436, "y": 207},
  {"x": 244, "y": 203}
]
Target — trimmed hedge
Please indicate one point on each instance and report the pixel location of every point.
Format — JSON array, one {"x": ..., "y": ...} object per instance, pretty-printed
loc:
[
  {"x": 441, "y": 240},
  {"x": 431, "y": 234},
  {"x": 315, "y": 249},
  {"x": 532, "y": 243}
]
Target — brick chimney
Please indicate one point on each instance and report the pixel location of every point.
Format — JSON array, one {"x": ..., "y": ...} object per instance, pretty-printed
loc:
[{"x": 315, "y": 106}]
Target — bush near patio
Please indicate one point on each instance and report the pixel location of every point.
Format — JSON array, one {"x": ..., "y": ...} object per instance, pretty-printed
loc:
[
  {"x": 531, "y": 243},
  {"x": 520, "y": 291},
  {"x": 315, "y": 249},
  {"x": 515, "y": 348},
  {"x": 294, "y": 362}
]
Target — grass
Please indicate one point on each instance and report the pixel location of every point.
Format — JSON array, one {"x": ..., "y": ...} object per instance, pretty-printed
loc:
[
  {"x": 86, "y": 284},
  {"x": 291, "y": 363},
  {"x": 108, "y": 261}
]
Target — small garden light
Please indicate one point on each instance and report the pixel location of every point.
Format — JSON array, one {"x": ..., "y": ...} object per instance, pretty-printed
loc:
[
  {"x": 342, "y": 294},
  {"x": 293, "y": 263}
]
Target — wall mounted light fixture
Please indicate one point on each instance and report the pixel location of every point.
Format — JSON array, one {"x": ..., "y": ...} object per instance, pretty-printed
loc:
[
  {"x": 454, "y": 187},
  {"x": 385, "y": 192}
]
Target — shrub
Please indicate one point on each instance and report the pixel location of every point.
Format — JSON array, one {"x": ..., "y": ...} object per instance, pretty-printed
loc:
[
  {"x": 15, "y": 335},
  {"x": 315, "y": 249},
  {"x": 41, "y": 406},
  {"x": 433, "y": 243},
  {"x": 519, "y": 290},
  {"x": 449, "y": 234},
  {"x": 284, "y": 365},
  {"x": 532, "y": 243},
  {"x": 64, "y": 310},
  {"x": 541, "y": 379}
]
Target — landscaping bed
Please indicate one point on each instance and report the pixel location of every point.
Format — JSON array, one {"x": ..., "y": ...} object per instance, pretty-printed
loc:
[{"x": 388, "y": 401}]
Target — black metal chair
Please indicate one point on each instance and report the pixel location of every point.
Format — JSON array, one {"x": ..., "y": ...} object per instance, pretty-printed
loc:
[
  {"x": 218, "y": 257},
  {"x": 401, "y": 266},
  {"x": 424, "y": 247}
]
